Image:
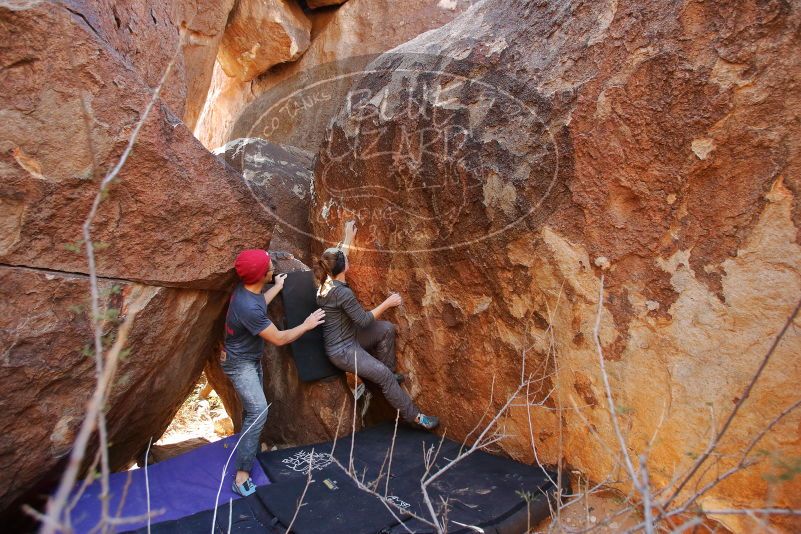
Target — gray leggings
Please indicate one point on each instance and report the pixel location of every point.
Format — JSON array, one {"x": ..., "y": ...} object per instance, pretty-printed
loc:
[{"x": 372, "y": 354}]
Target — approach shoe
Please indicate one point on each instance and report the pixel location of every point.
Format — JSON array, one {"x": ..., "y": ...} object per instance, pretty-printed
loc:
[
  {"x": 244, "y": 489},
  {"x": 356, "y": 385},
  {"x": 429, "y": 422}
]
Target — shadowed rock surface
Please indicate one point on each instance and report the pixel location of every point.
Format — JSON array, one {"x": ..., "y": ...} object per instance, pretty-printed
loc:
[
  {"x": 279, "y": 177},
  {"x": 548, "y": 141},
  {"x": 48, "y": 370},
  {"x": 314, "y": 4}
]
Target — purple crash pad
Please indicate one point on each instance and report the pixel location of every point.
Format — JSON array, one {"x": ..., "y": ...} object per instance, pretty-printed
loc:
[{"x": 181, "y": 486}]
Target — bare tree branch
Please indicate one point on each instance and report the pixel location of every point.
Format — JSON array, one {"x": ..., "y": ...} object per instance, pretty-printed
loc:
[
  {"x": 228, "y": 461},
  {"x": 608, "y": 389},
  {"x": 147, "y": 483},
  {"x": 105, "y": 365},
  {"x": 302, "y": 495},
  {"x": 56, "y": 504},
  {"x": 743, "y": 397}
]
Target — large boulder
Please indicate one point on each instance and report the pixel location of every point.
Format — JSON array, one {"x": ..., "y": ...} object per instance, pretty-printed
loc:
[
  {"x": 47, "y": 373},
  {"x": 176, "y": 215},
  {"x": 654, "y": 144},
  {"x": 357, "y": 29},
  {"x": 260, "y": 34}
]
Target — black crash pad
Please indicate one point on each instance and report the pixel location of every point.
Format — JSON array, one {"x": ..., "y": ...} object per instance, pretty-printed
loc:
[
  {"x": 248, "y": 516},
  {"x": 332, "y": 504},
  {"x": 308, "y": 351},
  {"x": 482, "y": 490},
  {"x": 371, "y": 449}
]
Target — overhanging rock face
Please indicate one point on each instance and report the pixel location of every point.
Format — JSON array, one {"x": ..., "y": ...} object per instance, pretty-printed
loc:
[
  {"x": 48, "y": 372},
  {"x": 279, "y": 177},
  {"x": 500, "y": 165}
]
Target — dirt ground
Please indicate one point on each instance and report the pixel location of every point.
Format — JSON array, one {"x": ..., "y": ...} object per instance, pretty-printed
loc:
[
  {"x": 602, "y": 513},
  {"x": 199, "y": 417}
]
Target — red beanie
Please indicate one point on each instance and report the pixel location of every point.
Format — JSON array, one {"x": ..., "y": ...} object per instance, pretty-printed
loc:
[{"x": 252, "y": 265}]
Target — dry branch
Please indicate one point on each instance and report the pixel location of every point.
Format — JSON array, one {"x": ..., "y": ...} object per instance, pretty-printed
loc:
[
  {"x": 105, "y": 363},
  {"x": 302, "y": 495},
  {"x": 743, "y": 397}
]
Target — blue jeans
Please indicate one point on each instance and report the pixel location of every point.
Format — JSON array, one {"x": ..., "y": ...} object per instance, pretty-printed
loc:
[{"x": 248, "y": 379}]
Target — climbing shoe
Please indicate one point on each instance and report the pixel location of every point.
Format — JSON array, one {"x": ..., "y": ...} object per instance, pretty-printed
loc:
[
  {"x": 399, "y": 377},
  {"x": 429, "y": 422},
  {"x": 356, "y": 385},
  {"x": 244, "y": 489},
  {"x": 360, "y": 389}
]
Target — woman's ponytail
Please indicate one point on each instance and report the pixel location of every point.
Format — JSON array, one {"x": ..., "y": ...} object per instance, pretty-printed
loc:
[
  {"x": 331, "y": 263},
  {"x": 322, "y": 271}
]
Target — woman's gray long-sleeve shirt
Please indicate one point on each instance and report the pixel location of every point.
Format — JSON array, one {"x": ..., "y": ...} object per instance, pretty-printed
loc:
[{"x": 343, "y": 315}]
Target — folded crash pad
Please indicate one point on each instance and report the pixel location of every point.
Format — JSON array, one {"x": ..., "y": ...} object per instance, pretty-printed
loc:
[
  {"x": 180, "y": 486},
  {"x": 300, "y": 300}
]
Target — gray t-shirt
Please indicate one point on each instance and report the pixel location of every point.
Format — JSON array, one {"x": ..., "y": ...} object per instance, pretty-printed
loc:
[
  {"x": 247, "y": 316},
  {"x": 343, "y": 315}
]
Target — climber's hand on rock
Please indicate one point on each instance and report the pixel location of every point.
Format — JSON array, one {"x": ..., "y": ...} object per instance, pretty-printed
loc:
[
  {"x": 279, "y": 281},
  {"x": 316, "y": 318},
  {"x": 394, "y": 300},
  {"x": 350, "y": 231}
]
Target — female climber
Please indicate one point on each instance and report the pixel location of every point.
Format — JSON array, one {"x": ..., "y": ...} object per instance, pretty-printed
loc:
[
  {"x": 246, "y": 328},
  {"x": 355, "y": 340}
]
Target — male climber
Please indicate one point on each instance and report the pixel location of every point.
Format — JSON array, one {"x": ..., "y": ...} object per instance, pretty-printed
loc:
[{"x": 246, "y": 328}]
